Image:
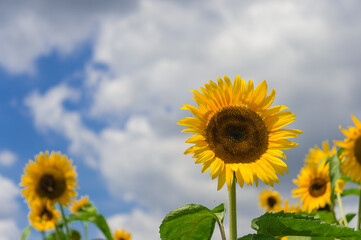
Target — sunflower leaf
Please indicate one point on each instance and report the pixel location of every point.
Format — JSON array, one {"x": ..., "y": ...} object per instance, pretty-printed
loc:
[
  {"x": 290, "y": 224},
  {"x": 26, "y": 232},
  {"x": 325, "y": 216},
  {"x": 256, "y": 237},
  {"x": 350, "y": 191},
  {"x": 335, "y": 174},
  {"x": 96, "y": 219},
  {"x": 191, "y": 221}
]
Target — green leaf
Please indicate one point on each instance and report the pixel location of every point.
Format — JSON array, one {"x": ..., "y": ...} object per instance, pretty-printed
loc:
[
  {"x": 255, "y": 237},
  {"x": 350, "y": 191},
  {"x": 52, "y": 236},
  {"x": 290, "y": 224},
  {"x": 325, "y": 216},
  {"x": 26, "y": 232},
  {"x": 191, "y": 221},
  {"x": 350, "y": 216},
  {"x": 335, "y": 174},
  {"x": 96, "y": 219}
]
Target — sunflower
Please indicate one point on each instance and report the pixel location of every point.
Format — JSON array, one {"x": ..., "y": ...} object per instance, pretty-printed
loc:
[
  {"x": 237, "y": 133},
  {"x": 80, "y": 204},
  {"x": 51, "y": 177},
  {"x": 351, "y": 156},
  {"x": 316, "y": 154},
  {"x": 314, "y": 187},
  {"x": 270, "y": 200},
  {"x": 43, "y": 215},
  {"x": 122, "y": 235}
]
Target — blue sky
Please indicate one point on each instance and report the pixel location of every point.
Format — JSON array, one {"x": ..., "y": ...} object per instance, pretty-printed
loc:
[{"x": 104, "y": 83}]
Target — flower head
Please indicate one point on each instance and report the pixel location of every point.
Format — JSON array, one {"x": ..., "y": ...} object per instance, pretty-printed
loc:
[
  {"x": 270, "y": 200},
  {"x": 80, "y": 204},
  {"x": 43, "y": 215},
  {"x": 51, "y": 177},
  {"x": 351, "y": 156},
  {"x": 122, "y": 235},
  {"x": 314, "y": 187},
  {"x": 237, "y": 133},
  {"x": 316, "y": 154}
]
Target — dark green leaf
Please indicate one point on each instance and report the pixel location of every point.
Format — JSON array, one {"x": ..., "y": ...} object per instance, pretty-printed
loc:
[
  {"x": 350, "y": 216},
  {"x": 350, "y": 191},
  {"x": 290, "y": 224},
  {"x": 191, "y": 221},
  {"x": 26, "y": 232},
  {"x": 255, "y": 237},
  {"x": 335, "y": 174}
]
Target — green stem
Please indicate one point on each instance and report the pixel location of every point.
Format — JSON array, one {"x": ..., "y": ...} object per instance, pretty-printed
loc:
[
  {"x": 43, "y": 235},
  {"x": 341, "y": 207},
  {"x": 57, "y": 234},
  {"x": 232, "y": 211},
  {"x": 359, "y": 213},
  {"x": 65, "y": 221},
  {"x": 221, "y": 228},
  {"x": 85, "y": 230}
]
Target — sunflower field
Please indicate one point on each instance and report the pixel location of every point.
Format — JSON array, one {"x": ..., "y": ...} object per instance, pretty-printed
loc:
[{"x": 240, "y": 138}]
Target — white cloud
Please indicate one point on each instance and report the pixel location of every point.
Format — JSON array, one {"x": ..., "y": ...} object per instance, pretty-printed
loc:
[
  {"x": 8, "y": 209},
  {"x": 8, "y": 204},
  {"x": 9, "y": 230},
  {"x": 7, "y": 158},
  {"x": 50, "y": 114},
  {"x": 139, "y": 223},
  {"x": 32, "y": 30}
]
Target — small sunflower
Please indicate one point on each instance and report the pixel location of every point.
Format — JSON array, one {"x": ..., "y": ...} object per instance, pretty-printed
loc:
[
  {"x": 51, "y": 177},
  {"x": 351, "y": 156},
  {"x": 122, "y": 235},
  {"x": 43, "y": 215},
  {"x": 270, "y": 200},
  {"x": 316, "y": 154},
  {"x": 314, "y": 187},
  {"x": 237, "y": 133},
  {"x": 80, "y": 204}
]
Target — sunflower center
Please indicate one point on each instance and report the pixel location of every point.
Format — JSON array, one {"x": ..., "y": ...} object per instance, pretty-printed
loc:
[
  {"x": 50, "y": 187},
  {"x": 357, "y": 149},
  {"x": 318, "y": 187},
  {"x": 47, "y": 214},
  {"x": 237, "y": 135},
  {"x": 271, "y": 201}
]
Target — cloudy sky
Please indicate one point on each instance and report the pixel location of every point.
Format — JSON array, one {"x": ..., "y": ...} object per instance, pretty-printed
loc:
[{"x": 103, "y": 82}]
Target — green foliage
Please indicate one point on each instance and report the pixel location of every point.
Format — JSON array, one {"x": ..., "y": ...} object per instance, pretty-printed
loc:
[
  {"x": 350, "y": 191},
  {"x": 26, "y": 232},
  {"x": 290, "y": 224},
  {"x": 95, "y": 218},
  {"x": 53, "y": 236},
  {"x": 191, "y": 221},
  {"x": 325, "y": 216},
  {"x": 256, "y": 237}
]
